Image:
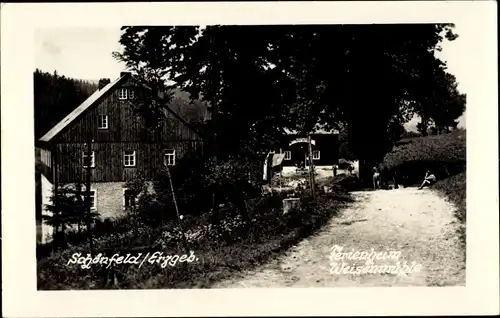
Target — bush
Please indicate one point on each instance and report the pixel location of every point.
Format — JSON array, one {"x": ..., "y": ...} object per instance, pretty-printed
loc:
[
  {"x": 444, "y": 155},
  {"x": 454, "y": 188},
  {"x": 222, "y": 251}
]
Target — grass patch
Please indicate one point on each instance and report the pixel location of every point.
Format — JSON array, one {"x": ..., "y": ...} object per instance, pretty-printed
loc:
[
  {"x": 221, "y": 252},
  {"x": 454, "y": 189}
]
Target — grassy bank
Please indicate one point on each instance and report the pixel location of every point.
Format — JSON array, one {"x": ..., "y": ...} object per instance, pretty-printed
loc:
[
  {"x": 454, "y": 189},
  {"x": 220, "y": 252}
]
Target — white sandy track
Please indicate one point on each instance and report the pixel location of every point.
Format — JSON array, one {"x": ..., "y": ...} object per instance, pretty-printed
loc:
[{"x": 419, "y": 223}]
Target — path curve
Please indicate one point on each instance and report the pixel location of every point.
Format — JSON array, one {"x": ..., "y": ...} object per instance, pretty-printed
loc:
[{"x": 418, "y": 223}]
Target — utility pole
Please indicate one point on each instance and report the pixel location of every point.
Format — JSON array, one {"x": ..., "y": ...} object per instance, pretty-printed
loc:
[
  {"x": 215, "y": 79},
  {"x": 87, "y": 193},
  {"x": 311, "y": 168},
  {"x": 176, "y": 208}
]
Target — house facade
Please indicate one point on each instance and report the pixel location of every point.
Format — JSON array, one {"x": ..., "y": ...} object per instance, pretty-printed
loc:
[
  {"x": 324, "y": 144},
  {"x": 106, "y": 134}
]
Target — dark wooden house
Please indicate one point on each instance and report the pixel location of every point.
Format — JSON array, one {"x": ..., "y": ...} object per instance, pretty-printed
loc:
[
  {"x": 325, "y": 148},
  {"x": 121, "y": 147}
]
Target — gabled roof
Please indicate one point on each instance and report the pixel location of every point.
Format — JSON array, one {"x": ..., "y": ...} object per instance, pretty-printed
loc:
[
  {"x": 89, "y": 102},
  {"x": 80, "y": 109},
  {"x": 317, "y": 129}
]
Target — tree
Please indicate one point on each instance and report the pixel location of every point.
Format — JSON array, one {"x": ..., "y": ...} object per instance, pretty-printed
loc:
[
  {"x": 67, "y": 208},
  {"x": 344, "y": 151},
  {"x": 103, "y": 82},
  {"x": 55, "y": 97},
  {"x": 266, "y": 78}
]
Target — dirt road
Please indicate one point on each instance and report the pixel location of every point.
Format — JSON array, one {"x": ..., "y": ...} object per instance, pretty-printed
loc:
[{"x": 411, "y": 231}]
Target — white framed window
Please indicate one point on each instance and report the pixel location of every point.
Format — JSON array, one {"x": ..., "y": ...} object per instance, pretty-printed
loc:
[
  {"x": 93, "y": 197},
  {"x": 288, "y": 155},
  {"x": 129, "y": 158},
  {"x": 131, "y": 93},
  {"x": 169, "y": 157},
  {"x": 102, "y": 122},
  {"x": 122, "y": 93},
  {"x": 129, "y": 199},
  {"x": 88, "y": 158},
  {"x": 315, "y": 154}
]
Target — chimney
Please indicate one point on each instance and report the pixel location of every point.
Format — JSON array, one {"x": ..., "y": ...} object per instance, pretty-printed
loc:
[
  {"x": 122, "y": 74},
  {"x": 103, "y": 82}
]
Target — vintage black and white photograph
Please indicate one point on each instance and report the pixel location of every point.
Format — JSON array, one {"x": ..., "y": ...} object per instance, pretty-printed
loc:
[
  {"x": 223, "y": 156},
  {"x": 249, "y": 159}
]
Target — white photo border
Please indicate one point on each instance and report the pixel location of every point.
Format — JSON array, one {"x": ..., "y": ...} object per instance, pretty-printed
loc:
[{"x": 20, "y": 295}]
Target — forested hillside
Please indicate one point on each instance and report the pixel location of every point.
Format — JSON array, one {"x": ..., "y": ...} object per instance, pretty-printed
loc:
[{"x": 56, "y": 96}]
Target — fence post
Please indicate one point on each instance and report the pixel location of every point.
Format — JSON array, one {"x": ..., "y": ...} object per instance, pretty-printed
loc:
[{"x": 311, "y": 168}]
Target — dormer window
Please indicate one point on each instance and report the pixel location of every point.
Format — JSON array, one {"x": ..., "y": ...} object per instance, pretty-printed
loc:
[
  {"x": 169, "y": 157},
  {"x": 126, "y": 93},
  {"x": 122, "y": 93}
]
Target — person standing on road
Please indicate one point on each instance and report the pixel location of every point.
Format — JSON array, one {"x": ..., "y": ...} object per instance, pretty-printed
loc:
[{"x": 376, "y": 178}]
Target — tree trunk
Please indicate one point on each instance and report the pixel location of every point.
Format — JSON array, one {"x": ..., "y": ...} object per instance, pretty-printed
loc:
[
  {"x": 215, "y": 207},
  {"x": 239, "y": 200},
  {"x": 425, "y": 126},
  {"x": 63, "y": 236},
  {"x": 365, "y": 172}
]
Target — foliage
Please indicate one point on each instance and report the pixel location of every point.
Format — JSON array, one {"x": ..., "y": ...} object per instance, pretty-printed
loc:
[
  {"x": 196, "y": 177},
  {"x": 444, "y": 154},
  {"x": 447, "y": 148},
  {"x": 410, "y": 134},
  {"x": 55, "y": 97},
  {"x": 295, "y": 78},
  {"x": 103, "y": 82},
  {"x": 455, "y": 189},
  {"x": 221, "y": 252},
  {"x": 68, "y": 207},
  {"x": 345, "y": 151},
  {"x": 442, "y": 104}
]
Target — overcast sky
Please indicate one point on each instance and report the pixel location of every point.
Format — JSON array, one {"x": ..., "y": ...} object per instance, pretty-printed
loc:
[{"x": 85, "y": 53}]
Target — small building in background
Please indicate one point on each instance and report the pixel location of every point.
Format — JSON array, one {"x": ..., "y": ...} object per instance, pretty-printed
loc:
[{"x": 325, "y": 148}]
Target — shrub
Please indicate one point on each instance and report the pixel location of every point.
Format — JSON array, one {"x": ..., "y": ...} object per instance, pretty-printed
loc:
[
  {"x": 454, "y": 188},
  {"x": 444, "y": 155},
  {"x": 222, "y": 250}
]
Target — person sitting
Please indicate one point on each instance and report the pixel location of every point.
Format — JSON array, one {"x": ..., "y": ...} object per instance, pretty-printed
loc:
[
  {"x": 429, "y": 179},
  {"x": 350, "y": 169}
]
